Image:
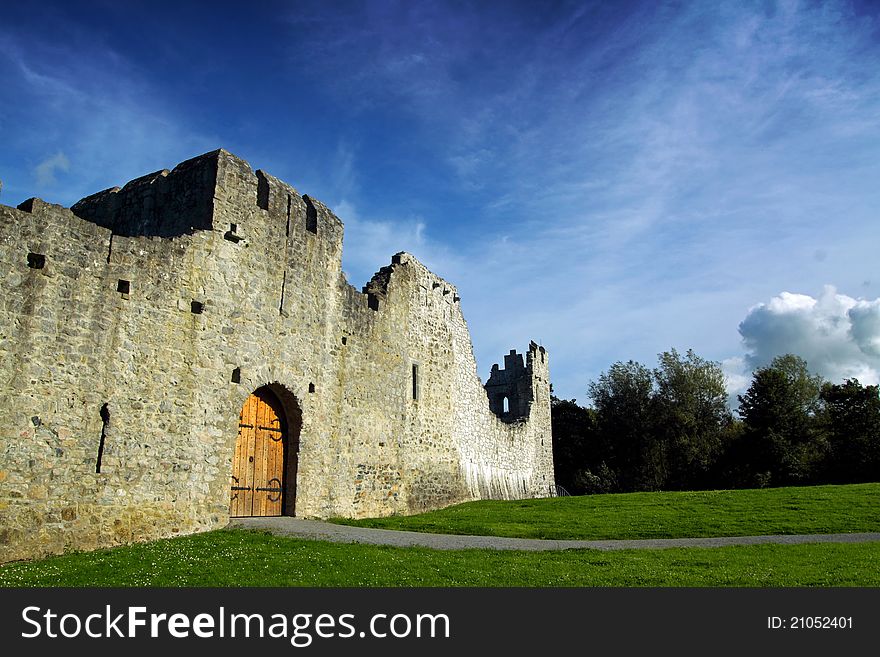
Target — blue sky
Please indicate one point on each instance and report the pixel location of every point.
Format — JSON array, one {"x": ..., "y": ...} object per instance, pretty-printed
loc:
[{"x": 610, "y": 179}]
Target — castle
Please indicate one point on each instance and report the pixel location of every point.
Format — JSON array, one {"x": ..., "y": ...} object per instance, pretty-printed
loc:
[{"x": 187, "y": 348}]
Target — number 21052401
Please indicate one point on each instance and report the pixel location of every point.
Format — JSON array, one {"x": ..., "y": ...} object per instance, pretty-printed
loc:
[{"x": 810, "y": 623}]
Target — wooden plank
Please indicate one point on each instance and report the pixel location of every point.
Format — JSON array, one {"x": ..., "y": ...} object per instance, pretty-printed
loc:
[
  {"x": 279, "y": 446},
  {"x": 260, "y": 460},
  {"x": 235, "y": 496},
  {"x": 275, "y": 438},
  {"x": 249, "y": 417},
  {"x": 236, "y": 504},
  {"x": 266, "y": 505}
]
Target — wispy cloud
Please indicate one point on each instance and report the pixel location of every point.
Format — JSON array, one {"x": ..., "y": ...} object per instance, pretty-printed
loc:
[
  {"x": 93, "y": 110},
  {"x": 344, "y": 172},
  {"x": 45, "y": 170},
  {"x": 641, "y": 179},
  {"x": 614, "y": 179},
  {"x": 370, "y": 243}
]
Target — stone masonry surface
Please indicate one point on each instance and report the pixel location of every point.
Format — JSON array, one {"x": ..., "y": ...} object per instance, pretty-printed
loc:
[{"x": 135, "y": 325}]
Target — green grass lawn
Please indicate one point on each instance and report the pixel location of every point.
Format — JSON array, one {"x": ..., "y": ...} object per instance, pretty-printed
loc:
[
  {"x": 246, "y": 558},
  {"x": 804, "y": 510}
]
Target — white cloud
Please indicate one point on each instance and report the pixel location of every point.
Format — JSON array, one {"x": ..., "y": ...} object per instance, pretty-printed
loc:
[
  {"x": 736, "y": 377},
  {"x": 865, "y": 329},
  {"x": 45, "y": 170},
  {"x": 838, "y": 335}
]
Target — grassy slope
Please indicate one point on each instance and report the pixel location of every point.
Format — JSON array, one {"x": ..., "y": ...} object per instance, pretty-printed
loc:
[
  {"x": 243, "y": 558},
  {"x": 805, "y": 510}
]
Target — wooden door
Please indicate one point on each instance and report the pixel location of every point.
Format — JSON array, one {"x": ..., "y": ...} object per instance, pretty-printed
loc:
[{"x": 258, "y": 463}]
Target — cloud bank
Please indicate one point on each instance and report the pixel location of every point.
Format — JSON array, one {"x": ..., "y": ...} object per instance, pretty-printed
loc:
[{"x": 838, "y": 335}]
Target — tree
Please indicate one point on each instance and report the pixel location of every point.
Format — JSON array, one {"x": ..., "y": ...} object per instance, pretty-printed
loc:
[
  {"x": 731, "y": 469},
  {"x": 852, "y": 414},
  {"x": 691, "y": 416},
  {"x": 622, "y": 398},
  {"x": 574, "y": 443},
  {"x": 783, "y": 442}
]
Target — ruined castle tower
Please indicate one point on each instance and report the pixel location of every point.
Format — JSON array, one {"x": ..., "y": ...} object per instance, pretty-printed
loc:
[{"x": 186, "y": 348}]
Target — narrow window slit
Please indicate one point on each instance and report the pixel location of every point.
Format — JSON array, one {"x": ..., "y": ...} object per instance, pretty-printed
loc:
[
  {"x": 105, "y": 421},
  {"x": 283, "y": 285},
  {"x": 415, "y": 381},
  {"x": 505, "y": 405},
  {"x": 262, "y": 190},
  {"x": 311, "y": 216}
]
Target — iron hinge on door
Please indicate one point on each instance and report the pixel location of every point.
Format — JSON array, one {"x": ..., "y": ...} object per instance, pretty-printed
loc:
[
  {"x": 276, "y": 489},
  {"x": 239, "y": 487}
]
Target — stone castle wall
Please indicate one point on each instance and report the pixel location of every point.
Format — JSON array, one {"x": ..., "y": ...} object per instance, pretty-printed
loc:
[{"x": 134, "y": 326}]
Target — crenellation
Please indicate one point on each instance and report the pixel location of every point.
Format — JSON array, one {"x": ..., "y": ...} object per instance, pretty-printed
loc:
[
  {"x": 121, "y": 405},
  {"x": 163, "y": 204}
]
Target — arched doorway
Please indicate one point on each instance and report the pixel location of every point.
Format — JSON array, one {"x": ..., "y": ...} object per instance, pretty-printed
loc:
[{"x": 264, "y": 464}]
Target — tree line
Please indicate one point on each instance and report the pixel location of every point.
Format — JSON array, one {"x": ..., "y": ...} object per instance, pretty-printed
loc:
[{"x": 670, "y": 428}]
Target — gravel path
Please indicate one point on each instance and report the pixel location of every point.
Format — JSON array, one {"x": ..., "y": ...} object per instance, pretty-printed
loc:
[{"x": 325, "y": 531}]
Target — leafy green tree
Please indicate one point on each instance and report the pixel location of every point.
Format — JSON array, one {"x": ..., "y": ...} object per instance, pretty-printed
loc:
[
  {"x": 731, "y": 469},
  {"x": 671, "y": 428},
  {"x": 598, "y": 479},
  {"x": 852, "y": 413},
  {"x": 690, "y": 418},
  {"x": 623, "y": 401},
  {"x": 783, "y": 442},
  {"x": 574, "y": 442}
]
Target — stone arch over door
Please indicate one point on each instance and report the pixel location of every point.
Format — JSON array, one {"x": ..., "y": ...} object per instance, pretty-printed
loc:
[{"x": 266, "y": 457}]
